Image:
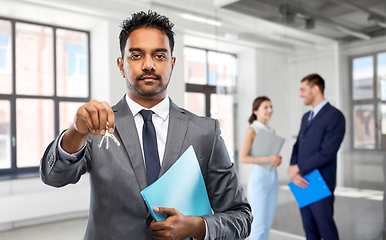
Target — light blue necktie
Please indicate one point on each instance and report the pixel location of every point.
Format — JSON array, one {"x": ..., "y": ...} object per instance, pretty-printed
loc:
[{"x": 150, "y": 149}]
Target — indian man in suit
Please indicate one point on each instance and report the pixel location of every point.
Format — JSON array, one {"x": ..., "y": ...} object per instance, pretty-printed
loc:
[
  {"x": 321, "y": 134},
  {"x": 117, "y": 175}
]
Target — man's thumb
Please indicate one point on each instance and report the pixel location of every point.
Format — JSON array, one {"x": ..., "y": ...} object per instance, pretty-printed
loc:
[{"x": 162, "y": 210}]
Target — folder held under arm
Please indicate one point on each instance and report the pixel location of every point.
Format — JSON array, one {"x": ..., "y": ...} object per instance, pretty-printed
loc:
[{"x": 317, "y": 189}]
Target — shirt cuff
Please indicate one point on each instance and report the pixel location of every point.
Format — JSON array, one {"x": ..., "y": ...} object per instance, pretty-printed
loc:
[
  {"x": 68, "y": 158},
  {"x": 206, "y": 231}
]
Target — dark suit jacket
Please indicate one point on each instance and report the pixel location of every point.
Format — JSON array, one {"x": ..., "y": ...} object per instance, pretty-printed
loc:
[
  {"x": 318, "y": 143},
  {"x": 117, "y": 210}
]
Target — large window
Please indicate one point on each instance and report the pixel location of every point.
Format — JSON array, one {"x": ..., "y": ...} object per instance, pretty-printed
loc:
[
  {"x": 44, "y": 78},
  {"x": 369, "y": 101},
  {"x": 210, "y": 79}
]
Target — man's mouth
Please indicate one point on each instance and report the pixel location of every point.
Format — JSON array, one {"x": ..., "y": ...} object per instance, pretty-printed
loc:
[{"x": 148, "y": 78}]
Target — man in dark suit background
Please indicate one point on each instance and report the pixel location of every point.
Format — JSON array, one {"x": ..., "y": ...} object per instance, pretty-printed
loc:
[
  {"x": 321, "y": 134},
  {"x": 117, "y": 175}
]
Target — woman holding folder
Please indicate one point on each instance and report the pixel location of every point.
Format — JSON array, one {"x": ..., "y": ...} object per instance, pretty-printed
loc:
[{"x": 263, "y": 183}]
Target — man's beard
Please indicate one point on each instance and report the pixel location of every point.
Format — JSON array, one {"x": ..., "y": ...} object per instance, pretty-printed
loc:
[{"x": 156, "y": 87}]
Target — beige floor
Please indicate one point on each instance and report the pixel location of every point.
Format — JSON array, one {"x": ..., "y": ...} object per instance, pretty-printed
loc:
[{"x": 74, "y": 229}]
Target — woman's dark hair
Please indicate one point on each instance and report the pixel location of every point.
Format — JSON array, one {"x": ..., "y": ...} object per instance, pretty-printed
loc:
[
  {"x": 141, "y": 20},
  {"x": 256, "y": 104}
]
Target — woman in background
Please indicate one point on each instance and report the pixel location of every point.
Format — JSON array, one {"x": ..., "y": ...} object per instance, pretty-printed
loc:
[{"x": 263, "y": 184}]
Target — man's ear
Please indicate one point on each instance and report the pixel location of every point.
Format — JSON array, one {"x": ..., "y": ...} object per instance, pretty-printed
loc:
[
  {"x": 120, "y": 66},
  {"x": 315, "y": 89},
  {"x": 173, "y": 62}
]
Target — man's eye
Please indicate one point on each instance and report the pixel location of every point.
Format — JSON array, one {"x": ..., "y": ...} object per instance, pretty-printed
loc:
[
  {"x": 160, "y": 56},
  {"x": 135, "y": 56}
]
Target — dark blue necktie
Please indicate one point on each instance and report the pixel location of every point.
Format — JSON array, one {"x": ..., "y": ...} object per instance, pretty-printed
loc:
[
  {"x": 310, "y": 117},
  {"x": 150, "y": 149}
]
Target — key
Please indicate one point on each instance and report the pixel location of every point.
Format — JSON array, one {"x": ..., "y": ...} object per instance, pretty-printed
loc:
[{"x": 107, "y": 136}]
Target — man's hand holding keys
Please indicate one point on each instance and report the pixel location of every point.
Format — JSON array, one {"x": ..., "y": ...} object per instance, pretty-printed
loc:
[{"x": 92, "y": 117}]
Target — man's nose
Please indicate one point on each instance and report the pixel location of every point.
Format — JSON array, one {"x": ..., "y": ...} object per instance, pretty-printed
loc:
[{"x": 148, "y": 64}]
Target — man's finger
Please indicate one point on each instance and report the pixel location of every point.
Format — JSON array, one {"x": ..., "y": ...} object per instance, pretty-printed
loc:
[
  {"x": 300, "y": 181},
  {"x": 93, "y": 112},
  {"x": 166, "y": 211},
  {"x": 305, "y": 182},
  {"x": 82, "y": 121},
  {"x": 110, "y": 117},
  {"x": 156, "y": 227},
  {"x": 102, "y": 113}
]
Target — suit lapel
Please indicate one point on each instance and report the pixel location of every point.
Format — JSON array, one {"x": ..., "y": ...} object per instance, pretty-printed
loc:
[
  {"x": 178, "y": 126},
  {"x": 126, "y": 129}
]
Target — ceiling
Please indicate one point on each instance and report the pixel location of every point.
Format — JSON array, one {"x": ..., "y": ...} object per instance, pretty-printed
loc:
[
  {"x": 278, "y": 25},
  {"x": 342, "y": 20}
]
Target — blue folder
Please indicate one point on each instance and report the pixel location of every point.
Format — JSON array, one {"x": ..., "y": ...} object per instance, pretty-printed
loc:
[
  {"x": 317, "y": 189},
  {"x": 182, "y": 187}
]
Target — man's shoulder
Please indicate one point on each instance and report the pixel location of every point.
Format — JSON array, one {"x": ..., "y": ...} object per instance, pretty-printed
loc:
[
  {"x": 335, "y": 111},
  {"x": 121, "y": 103}
]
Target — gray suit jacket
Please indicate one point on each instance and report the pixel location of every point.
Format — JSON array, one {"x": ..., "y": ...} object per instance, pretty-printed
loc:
[{"x": 117, "y": 210}]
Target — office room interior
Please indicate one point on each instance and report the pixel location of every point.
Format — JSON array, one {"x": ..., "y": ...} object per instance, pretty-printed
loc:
[{"x": 228, "y": 53}]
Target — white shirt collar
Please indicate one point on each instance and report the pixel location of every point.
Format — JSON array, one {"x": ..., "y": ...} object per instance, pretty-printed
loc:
[
  {"x": 161, "y": 109},
  {"x": 260, "y": 124},
  {"x": 319, "y": 107}
]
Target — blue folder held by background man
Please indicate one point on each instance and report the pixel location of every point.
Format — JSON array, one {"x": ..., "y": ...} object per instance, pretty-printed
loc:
[
  {"x": 182, "y": 187},
  {"x": 317, "y": 189}
]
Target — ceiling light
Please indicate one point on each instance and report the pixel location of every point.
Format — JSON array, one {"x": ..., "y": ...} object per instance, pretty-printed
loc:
[
  {"x": 201, "y": 19},
  {"x": 213, "y": 22},
  {"x": 193, "y": 18}
]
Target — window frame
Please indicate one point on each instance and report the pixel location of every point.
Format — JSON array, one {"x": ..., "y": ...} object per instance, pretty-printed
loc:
[
  {"x": 375, "y": 101},
  {"x": 15, "y": 172},
  {"x": 208, "y": 90}
]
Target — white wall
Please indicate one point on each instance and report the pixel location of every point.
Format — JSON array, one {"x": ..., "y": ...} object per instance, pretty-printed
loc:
[
  {"x": 115, "y": 83},
  {"x": 246, "y": 93},
  {"x": 273, "y": 82},
  {"x": 176, "y": 86},
  {"x": 28, "y": 201}
]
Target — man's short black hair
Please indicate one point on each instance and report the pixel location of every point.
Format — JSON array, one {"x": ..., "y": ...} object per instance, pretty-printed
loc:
[
  {"x": 141, "y": 20},
  {"x": 315, "y": 79}
]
